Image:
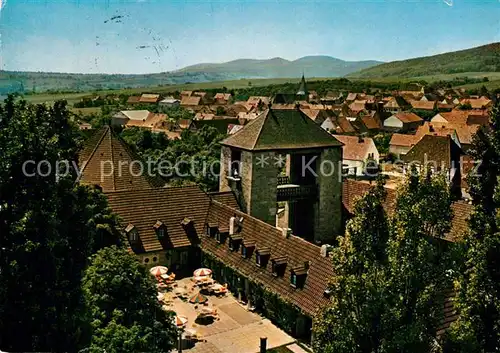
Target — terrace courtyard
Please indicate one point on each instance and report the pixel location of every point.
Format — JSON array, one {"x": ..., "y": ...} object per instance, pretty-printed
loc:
[{"x": 235, "y": 329}]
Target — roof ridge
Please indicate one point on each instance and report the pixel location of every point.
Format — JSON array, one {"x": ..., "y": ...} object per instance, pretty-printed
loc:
[
  {"x": 96, "y": 146},
  {"x": 264, "y": 119},
  {"x": 112, "y": 160}
]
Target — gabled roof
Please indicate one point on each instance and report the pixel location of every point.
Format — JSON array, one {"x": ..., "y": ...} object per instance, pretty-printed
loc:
[
  {"x": 408, "y": 117},
  {"x": 355, "y": 148},
  {"x": 170, "y": 205},
  {"x": 190, "y": 100},
  {"x": 433, "y": 149},
  {"x": 423, "y": 105},
  {"x": 106, "y": 160},
  {"x": 281, "y": 129},
  {"x": 403, "y": 140},
  {"x": 149, "y": 98}
]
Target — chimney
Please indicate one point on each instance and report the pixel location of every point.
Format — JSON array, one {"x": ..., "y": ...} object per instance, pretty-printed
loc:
[
  {"x": 360, "y": 139},
  {"x": 263, "y": 344},
  {"x": 232, "y": 225},
  {"x": 286, "y": 232}
]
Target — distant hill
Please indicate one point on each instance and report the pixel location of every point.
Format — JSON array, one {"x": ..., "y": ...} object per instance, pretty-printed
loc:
[
  {"x": 311, "y": 66},
  {"x": 485, "y": 58}
]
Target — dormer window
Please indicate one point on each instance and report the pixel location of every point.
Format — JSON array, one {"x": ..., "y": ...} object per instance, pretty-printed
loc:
[
  {"x": 298, "y": 276},
  {"x": 160, "y": 229},
  {"x": 279, "y": 265},
  {"x": 247, "y": 249},
  {"x": 234, "y": 242},
  {"x": 186, "y": 222},
  {"x": 262, "y": 256},
  {"x": 132, "y": 233},
  {"x": 222, "y": 234},
  {"x": 211, "y": 229}
]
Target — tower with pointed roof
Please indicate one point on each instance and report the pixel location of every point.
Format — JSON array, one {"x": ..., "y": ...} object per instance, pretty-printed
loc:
[
  {"x": 303, "y": 88},
  {"x": 283, "y": 157}
]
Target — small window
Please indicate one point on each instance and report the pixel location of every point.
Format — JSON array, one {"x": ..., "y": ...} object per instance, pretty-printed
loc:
[
  {"x": 161, "y": 233},
  {"x": 244, "y": 252},
  {"x": 155, "y": 259},
  {"x": 146, "y": 260},
  {"x": 257, "y": 259},
  {"x": 293, "y": 280}
]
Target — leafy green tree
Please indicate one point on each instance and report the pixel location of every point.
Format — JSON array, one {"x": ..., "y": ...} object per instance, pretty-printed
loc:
[
  {"x": 121, "y": 299},
  {"x": 353, "y": 320},
  {"x": 49, "y": 227},
  {"x": 478, "y": 285},
  {"x": 390, "y": 273},
  {"x": 418, "y": 262}
]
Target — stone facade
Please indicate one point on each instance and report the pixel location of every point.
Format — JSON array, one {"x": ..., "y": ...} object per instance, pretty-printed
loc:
[
  {"x": 328, "y": 210},
  {"x": 256, "y": 189},
  {"x": 259, "y": 183}
]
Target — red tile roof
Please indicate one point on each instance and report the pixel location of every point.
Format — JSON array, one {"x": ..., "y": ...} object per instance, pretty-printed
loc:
[
  {"x": 403, "y": 140},
  {"x": 296, "y": 250},
  {"x": 352, "y": 190},
  {"x": 423, "y": 105},
  {"x": 408, "y": 117},
  {"x": 354, "y": 148},
  {"x": 190, "y": 100}
]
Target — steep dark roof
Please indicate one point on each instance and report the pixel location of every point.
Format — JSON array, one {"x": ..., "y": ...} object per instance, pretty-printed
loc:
[
  {"x": 170, "y": 205},
  {"x": 281, "y": 129},
  {"x": 106, "y": 160}
]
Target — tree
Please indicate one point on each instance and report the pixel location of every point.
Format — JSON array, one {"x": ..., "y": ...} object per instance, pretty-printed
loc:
[
  {"x": 353, "y": 321},
  {"x": 390, "y": 272},
  {"x": 49, "y": 227},
  {"x": 418, "y": 262},
  {"x": 478, "y": 284},
  {"x": 121, "y": 299}
]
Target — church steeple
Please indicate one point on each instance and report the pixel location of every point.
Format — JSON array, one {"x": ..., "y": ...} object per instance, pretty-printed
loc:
[{"x": 302, "y": 88}]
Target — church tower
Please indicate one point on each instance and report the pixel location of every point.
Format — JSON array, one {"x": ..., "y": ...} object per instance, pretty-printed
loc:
[
  {"x": 303, "y": 88},
  {"x": 284, "y": 158}
]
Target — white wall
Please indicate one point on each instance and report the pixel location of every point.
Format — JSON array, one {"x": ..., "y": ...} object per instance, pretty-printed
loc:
[
  {"x": 393, "y": 123},
  {"x": 328, "y": 124},
  {"x": 438, "y": 119},
  {"x": 399, "y": 150}
]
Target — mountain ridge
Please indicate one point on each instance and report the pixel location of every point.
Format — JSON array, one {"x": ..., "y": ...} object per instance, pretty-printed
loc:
[{"x": 484, "y": 58}]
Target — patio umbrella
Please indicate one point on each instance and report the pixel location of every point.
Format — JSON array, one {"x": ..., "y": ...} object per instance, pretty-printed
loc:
[
  {"x": 180, "y": 321},
  {"x": 158, "y": 270},
  {"x": 198, "y": 298},
  {"x": 202, "y": 272}
]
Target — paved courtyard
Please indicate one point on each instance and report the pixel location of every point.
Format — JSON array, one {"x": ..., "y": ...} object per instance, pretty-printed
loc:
[{"x": 236, "y": 331}]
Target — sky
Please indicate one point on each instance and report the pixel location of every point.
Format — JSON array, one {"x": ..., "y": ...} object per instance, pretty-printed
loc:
[{"x": 165, "y": 35}]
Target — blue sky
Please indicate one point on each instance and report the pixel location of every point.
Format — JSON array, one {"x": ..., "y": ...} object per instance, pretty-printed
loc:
[{"x": 165, "y": 35}]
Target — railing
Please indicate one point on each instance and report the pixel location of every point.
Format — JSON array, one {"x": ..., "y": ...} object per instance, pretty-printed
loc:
[
  {"x": 297, "y": 192},
  {"x": 283, "y": 180}
]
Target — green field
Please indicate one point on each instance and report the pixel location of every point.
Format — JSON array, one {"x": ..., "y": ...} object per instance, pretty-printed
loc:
[
  {"x": 493, "y": 83},
  {"x": 235, "y": 84}
]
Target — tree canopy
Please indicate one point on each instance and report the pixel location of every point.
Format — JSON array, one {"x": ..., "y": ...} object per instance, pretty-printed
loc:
[
  {"x": 390, "y": 272},
  {"x": 478, "y": 284},
  {"x": 120, "y": 296}
]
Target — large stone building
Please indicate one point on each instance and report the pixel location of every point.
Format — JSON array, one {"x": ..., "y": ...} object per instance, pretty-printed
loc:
[
  {"x": 184, "y": 227},
  {"x": 283, "y": 156}
]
